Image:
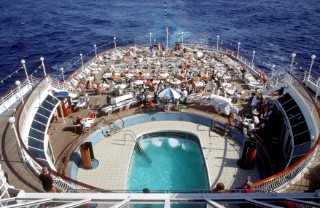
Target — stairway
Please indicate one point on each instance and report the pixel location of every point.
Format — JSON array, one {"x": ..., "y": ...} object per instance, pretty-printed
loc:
[
  {"x": 219, "y": 129},
  {"x": 114, "y": 130}
]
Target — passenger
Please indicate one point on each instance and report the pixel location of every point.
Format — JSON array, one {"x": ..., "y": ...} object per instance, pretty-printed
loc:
[
  {"x": 150, "y": 103},
  {"x": 108, "y": 99},
  {"x": 86, "y": 99},
  {"x": 248, "y": 187},
  {"x": 47, "y": 180},
  {"x": 256, "y": 120},
  {"x": 251, "y": 126},
  {"x": 245, "y": 131},
  {"x": 219, "y": 188},
  {"x": 99, "y": 87},
  {"x": 239, "y": 119},
  {"x": 91, "y": 114},
  {"x": 79, "y": 120},
  {"x": 104, "y": 80}
]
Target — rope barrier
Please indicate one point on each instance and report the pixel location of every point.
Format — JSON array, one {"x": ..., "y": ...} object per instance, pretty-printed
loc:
[
  {"x": 281, "y": 59},
  {"x": 10, "y": 75}
]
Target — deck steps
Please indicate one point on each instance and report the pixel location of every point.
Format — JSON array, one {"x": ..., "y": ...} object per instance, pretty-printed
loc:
[
  {"x": 219, "y": 129},
  {"x": 114, "y": 130}
]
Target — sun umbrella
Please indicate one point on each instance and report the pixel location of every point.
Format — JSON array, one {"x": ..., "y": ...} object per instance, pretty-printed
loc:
[{"x": 169, "y": 93}]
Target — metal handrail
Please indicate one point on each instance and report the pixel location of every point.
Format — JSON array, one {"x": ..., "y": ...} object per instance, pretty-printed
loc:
[
  {"x": 282, "y": 178},
  {"x": 274, "y": 182}
]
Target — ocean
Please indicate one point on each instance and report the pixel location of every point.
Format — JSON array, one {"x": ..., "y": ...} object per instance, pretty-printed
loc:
[{"x": 62, "y": 29}]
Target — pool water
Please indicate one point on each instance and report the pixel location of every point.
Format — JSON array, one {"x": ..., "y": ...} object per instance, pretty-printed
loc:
[{"x": 175, "y": 164}]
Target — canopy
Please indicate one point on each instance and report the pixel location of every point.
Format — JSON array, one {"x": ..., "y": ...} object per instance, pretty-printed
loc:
[
  {"x": 61, "y": 95},
  {"x": 169, "y": 93}
]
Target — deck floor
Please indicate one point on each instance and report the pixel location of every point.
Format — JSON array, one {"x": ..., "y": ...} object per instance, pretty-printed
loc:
[
  {"x": 62, "y": 135},
  {"x": 221, "y": 155}
]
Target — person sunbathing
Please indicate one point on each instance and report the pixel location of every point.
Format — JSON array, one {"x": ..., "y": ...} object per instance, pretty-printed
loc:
[{"x": 91, "y": 114}]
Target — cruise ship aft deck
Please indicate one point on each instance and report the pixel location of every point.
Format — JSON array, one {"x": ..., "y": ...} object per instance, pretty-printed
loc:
[{"x": 129, "y": 91}]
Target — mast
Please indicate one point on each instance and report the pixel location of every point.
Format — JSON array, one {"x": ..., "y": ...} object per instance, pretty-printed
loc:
[{"x": 165, "y": 20}]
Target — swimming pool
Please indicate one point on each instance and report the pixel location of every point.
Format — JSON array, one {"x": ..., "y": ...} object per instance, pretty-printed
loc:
[{"x": 171, "y": 161}]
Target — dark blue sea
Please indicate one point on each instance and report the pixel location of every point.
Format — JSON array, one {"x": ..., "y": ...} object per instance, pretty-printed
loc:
[{"x": 62, "y": 29}]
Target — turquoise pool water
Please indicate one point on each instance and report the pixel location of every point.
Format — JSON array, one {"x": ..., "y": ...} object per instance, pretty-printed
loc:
[{"x": 176, "y": 164}]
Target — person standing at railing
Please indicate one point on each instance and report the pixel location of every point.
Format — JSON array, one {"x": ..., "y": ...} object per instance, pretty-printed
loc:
[
  {"x": 218, "y": 189},
  {"x": 247, "y": 187},
  {"x": 47, "y": 180}
]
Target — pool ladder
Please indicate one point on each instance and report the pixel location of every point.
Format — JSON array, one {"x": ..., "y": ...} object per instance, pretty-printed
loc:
[{"x": 137, "y": 145}]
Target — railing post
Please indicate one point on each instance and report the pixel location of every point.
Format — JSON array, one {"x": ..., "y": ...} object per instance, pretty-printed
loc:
[
  {"x": 318, "y": 88},
  {"x": 305, "y": 76},
  {"x": 218, "y": 42},
  {"x": 95, "y": 51},
  {"x": 12, "y": 121},
  {"x": 23, "y": 62},
  {"x": 238, "y": 49},
  {"x": 293, "y": 55},
  {"x": 81, "y": 57},
  {"x": 252, "y": 65},
  {"x": 182, "y": 38},
  {"x": 313, "y": 57},
  {"x": 18, "y": 83}
]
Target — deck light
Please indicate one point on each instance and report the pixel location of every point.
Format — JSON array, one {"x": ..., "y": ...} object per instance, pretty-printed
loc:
[
  {"x": 62, "y": 73},
  {"x": 313, "y": 57},
  {"x": 43, "y": 67},
  {"x": 81, "y": 57},
  {"x": 12, "y": 120},
  {"x": 238, "y": 49},
  {"x": 23, "y": 62},
  {"x": 95, "y": 50},
  {"x": 182, "y": 37},
  {"x": 293, "y": 55},
  {"x": 218, "y": 42},
  {"x": 18, "y": 83}
]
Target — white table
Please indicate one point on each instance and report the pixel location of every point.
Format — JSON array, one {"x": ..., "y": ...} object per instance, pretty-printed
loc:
[
  {"x": 109, "y": 75},
  {"x": 226, "y": 84},
  {"x": 120, "y": 86},
  {"x": 164, "y": 75},
  {"x": 90, "y": 78},
  {"x": 155, "y": 81},
  {"x": 175, "y": 82},
  {"x": 129, "y": 75},
  {"x": 255, "y": 112},
  {"x": 230, "y": 92},
  {"x": 199, "y": 84},
  {"x": 138, "y": 82}
]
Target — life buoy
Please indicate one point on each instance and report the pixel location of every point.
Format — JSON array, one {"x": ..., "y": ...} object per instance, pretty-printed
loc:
[
  {"x": 259, "y": 75},
  {"x": 75, "y": 75}
]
